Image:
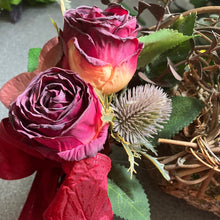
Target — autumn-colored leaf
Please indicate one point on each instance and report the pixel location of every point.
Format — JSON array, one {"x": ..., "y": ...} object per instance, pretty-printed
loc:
[
  {"x": 50, "y": 55},
  {"x": 14, "y": 87}
]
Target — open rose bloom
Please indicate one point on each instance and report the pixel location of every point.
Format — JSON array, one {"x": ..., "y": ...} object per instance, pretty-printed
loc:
[{"x": 56, "y": 109}]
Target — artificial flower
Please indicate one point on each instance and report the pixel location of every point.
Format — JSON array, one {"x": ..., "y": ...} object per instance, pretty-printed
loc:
[
  {"x": 140, "y": 113},
  {"x": 101, "y": 46},
  {"x": 45, "y": 133},
  {"x": 86, "y": 181},
  {"x": 56, "y": 109}
]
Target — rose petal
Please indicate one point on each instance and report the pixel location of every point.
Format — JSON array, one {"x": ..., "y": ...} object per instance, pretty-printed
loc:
[
  {"x": 95, "y": 75},
  {"x": 122, "y": 73},
  {"x": 87, "y": 150},
  {"x": 83, "y": 194},
  {"x": 108, "y": 78},
  {"x": 110, "y": 48},
  {"x": 116, "y": 10}
]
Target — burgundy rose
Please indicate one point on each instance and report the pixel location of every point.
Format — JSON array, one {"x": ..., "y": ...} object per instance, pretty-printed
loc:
[
  {"x": 101, "y": 46},
  {"x": 62, "y": 113}
]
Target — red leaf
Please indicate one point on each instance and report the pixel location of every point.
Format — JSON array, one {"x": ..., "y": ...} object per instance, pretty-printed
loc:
[
  {"x": 14, "y": 162},
  {"x": 172, "y": 70},
  {"x": 50, "y": 55},
  {"x": 156, "y": 10},
  {"x": 83, "y": 194},
  {"x": 145, "y": 78},
  {"x": 14, "y": 87}
]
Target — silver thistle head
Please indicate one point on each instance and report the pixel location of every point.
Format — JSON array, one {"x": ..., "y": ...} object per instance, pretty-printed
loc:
[{"x": 140, "y": 113}]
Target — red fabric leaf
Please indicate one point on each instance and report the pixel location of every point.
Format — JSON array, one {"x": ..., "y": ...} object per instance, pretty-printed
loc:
[
  {"x": 50, "y": 55},
  {"x": 42, "y": 192},
  {"x": 15, "y": 87},
  {"x": 83, "y": 194},
  {"x": 14, "y": 162}
]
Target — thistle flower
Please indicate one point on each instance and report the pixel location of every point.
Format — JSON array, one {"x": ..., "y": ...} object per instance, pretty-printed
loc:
[{"x": 140, "y": 113}]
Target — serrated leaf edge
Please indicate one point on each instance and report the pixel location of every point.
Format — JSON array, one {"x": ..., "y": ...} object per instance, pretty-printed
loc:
[
  {"x": 123, "y": 193},
  {"x": 183, "y": 126},
  {"x": 187, "y": 37}
]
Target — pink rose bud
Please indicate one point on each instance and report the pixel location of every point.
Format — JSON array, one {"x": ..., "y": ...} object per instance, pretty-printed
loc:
[
  {"x": 62, "y": 114},
  {"x": 101, "y": 46}
]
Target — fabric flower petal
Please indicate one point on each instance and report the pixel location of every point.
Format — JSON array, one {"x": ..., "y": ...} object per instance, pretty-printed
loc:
[
  {"x": 87, "y": 150},
  {"x": 97, "y": 43},
  {"x": 83, "y": 194}
]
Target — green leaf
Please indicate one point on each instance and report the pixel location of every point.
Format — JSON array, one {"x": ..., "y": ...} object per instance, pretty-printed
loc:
[
  {"x": 131, "y": 158},
  {"x": 127, "y": 196},
  {"x": 184, "y": 111},
  {"x": 159, "y": 65},
  {"x": 185, "y": 24},
  {"x": 159, "y": 42},
  {"x": 33, "y": 56},
  {"x": 5, "y": 4},
  {"x": 159, "y": 166},
  {"x": 55, "y": 25},
  {"x": 15, "y": 2}
]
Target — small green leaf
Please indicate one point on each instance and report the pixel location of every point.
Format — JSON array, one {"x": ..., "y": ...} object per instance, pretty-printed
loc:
[
  {"x": 159, "y": 166},
  {"x": 33, "y": 56},
  {"x": 107, "y": 117},
  {"x": 184, "y": 111},
  {"x": 131, "y": 158},
  {"x": 15, "y": 2},
  {"x": 185, "y": 24},
  {"x": 159, "y": 42},
  {"x": 127, "y": 196},
  {"x": 55, "y": 25}
]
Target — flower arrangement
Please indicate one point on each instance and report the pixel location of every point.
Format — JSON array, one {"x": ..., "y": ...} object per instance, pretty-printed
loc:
[{"x": 105, "y": 83}]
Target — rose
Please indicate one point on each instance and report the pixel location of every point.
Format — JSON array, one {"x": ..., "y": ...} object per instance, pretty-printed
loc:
[
  {"x": 101, "y": 46},
  {"x": 62, "y": 113}
]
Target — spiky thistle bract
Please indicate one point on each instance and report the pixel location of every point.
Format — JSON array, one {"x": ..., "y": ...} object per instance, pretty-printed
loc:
[{"x": 139, "y": 113}]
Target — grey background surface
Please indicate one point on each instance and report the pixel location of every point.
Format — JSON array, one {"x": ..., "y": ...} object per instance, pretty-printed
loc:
[{"x": 33, "y": 30}]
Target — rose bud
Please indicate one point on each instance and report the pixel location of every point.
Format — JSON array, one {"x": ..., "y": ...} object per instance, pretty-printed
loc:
[
  {"x": 101, "y": 46},
  {"x": 62, "y": 114}
]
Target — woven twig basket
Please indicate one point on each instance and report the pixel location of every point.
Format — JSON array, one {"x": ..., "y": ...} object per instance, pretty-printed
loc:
[{"x": 192, "y": 157}]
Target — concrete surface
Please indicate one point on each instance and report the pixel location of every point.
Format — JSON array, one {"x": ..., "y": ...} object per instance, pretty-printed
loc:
[{"x": 33, "y": 30}]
